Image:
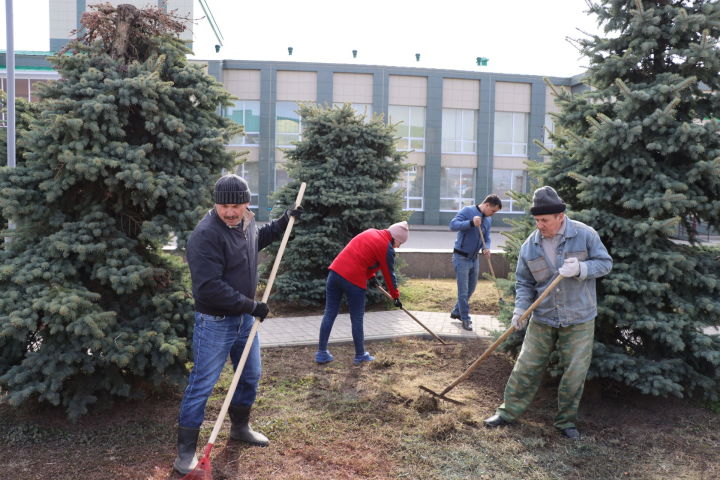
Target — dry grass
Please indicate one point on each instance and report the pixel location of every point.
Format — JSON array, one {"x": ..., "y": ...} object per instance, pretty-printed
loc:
[
  {"x": 425, "y": 295},
  {"x": 339, "y": 421}
]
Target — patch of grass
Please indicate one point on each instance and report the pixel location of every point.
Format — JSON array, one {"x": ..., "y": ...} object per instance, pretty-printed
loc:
[
  {"x": 343, "y": 422},
  {"x": 424, "y": 295},
  {"x": 440, "y": 295}
]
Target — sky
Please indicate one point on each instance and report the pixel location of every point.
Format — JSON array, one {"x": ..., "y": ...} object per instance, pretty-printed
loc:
[{"x": 517, "y": 36}]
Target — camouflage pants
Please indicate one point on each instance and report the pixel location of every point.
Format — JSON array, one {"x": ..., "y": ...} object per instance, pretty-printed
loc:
[{"x": 574, "y": 344}]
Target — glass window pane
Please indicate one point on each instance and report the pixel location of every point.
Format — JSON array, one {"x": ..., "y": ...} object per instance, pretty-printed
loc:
[
  {"x": 503, "y": 127},
  {"x": 502, "y": 182},
  {"x": 520, "y": 127},
  {"x": 415, "y": 182},
  {"x": 469, "y": 129},
  {"x": 252, "y": 117},
  {"x": 503, "y": 149},
  {"x": 448, "y": 204},
  {"x": 281, "y": 176}
]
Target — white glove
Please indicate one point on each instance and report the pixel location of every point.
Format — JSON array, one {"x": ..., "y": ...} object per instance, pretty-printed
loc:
[
  {"x": 516, "y": 321},
  {"x": 570, "y": 268}
]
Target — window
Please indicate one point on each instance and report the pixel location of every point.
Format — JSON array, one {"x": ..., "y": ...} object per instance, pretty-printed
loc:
[
  {"x": 249, "y": 171},
  {"x": 459, "y": 130},
  {"x": 505, "y": 181},
  {"x": 457, "y": 188},
  {"x": 247, "y": 114},
  {"x": 281, "y": 176},
  {"x": 511, "y": 134},
  {"x": 360, "y": 109},
  {"x": 549, "y": 129},
  {"x": 287, "y": 124},
  {"x": 410, "y": 128},
  {"x": 411, "y": 183}
]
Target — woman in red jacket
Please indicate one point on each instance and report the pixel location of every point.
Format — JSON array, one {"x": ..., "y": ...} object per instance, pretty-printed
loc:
[{"x": 368, "y": 252}]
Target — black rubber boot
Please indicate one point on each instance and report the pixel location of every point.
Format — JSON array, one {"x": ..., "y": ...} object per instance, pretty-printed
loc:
[
  {"x": 241, "y": 429},
  {"x": 186, "y": 445}
]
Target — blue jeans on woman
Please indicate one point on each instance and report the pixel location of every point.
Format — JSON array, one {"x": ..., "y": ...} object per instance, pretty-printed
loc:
[
  {"x": 466, "y": 273},
  {"x": 334, "y": 290},
  {"x": 214, "y": 338}
]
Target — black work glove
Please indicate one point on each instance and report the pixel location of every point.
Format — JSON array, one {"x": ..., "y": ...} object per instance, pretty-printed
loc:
[
  {"x": 260, "y": 311},
  {"x": 295, "y": 212},
  {"x": 373, "y": 282},
  {"x": 397, "y": 303}
]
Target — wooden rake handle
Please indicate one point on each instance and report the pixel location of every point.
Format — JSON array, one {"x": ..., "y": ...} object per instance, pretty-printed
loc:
[
  {"x": 482, "y": 239},
  {"x": 256, "y": 323},
  {"x": 413, "y": 317},
  {"x": 502, "y": 337}
]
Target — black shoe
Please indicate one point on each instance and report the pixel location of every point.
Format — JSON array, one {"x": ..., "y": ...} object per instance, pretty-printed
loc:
[
  {"x": 571, "y": 433},
  {"x": 496, "y": 421},
  {"x": 456, "y": 316},
  {"x": 467, "y": 325}
]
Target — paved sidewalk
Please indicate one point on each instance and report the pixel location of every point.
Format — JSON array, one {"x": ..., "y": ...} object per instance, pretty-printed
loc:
[{"x": 283, "y": 331}]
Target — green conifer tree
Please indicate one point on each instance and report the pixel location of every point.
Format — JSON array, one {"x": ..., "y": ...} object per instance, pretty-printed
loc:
[
  {"x": 349, "y": 164},
  {"x": 127, "y": 145},
  {"x": 634, "y": 157},
  {"x": 24, "y": 112}
]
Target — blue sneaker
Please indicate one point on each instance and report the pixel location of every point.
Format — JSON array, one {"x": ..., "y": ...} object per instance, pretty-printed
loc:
[
  {"x": 323, "y": 356},
  {"x": 366, "y": 357}
]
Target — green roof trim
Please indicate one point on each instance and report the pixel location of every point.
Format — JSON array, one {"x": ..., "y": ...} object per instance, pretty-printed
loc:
[
  {"x": 24, "y": 67},
  {"x": 31, "y": 52}
]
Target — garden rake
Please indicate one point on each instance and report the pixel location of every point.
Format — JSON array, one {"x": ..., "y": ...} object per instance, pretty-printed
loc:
[
  {"x": 443, "y": 343},
  {"x": 492, "y": 347},
  {"x": 203, "y": 470},
  {"x": 492, "y": 270}
]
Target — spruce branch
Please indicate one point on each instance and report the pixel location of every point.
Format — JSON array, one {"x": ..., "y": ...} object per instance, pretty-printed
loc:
[
  {"x": 604, "y": 118},
  {"x": 685, "y": 83},
  {"x": 558, "y": 92},
  {"x": 544, "y": 149},
  {"x": 623, "y": 86},
  {"x": 671, "y": 106},
  {"x": 579, "y": 178},
  {"x": 592, "y": 121}
]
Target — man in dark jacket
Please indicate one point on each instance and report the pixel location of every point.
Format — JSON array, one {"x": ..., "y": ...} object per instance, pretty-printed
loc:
[{"x": 222, "y": 253}]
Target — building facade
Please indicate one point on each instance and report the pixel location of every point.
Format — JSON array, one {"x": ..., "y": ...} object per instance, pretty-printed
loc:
[{"x": 467, "y": 134}]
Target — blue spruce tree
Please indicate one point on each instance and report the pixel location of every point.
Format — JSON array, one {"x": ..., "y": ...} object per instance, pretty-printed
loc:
[
  {"x": 349, "y": 164},
  {"x": 636, "y": 156},
  {"x": 127, "y": 144}
]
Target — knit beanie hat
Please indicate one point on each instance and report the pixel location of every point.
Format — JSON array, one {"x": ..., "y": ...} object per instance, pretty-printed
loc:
[
  {"x": 399, "y": 231},
  {"x": 545, "y": 201},
  {"x": 231, "y": 189}
]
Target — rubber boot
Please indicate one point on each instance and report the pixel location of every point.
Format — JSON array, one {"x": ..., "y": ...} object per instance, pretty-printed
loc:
[
  {"x": 186, "y": 445},
  {"x": 241, "y": 429}
]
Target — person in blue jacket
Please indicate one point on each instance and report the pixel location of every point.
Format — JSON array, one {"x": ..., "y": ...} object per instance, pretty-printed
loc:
[
  {"x": 565, "y": 320},
  {"x": 222, "y": 253},
  {"x": 468, "y": 244}
]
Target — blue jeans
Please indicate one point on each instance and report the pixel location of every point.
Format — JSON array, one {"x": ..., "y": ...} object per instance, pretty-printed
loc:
[
  {"x": 336, "y": 286},
  {"x": 466, "y": 273},
  {"x": 213, "y": 339}
]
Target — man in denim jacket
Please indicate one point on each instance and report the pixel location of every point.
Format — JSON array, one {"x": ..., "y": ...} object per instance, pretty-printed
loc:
[
  {"x": 564, "y": 320},
  {"x": 468, "y": 223}
]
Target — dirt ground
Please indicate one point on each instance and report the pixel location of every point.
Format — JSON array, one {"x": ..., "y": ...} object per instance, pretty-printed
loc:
[{"x": 339, "y": 421}]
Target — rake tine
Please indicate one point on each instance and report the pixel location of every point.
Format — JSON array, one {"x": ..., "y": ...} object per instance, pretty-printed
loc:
[{"x": 441, "y": 397}]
